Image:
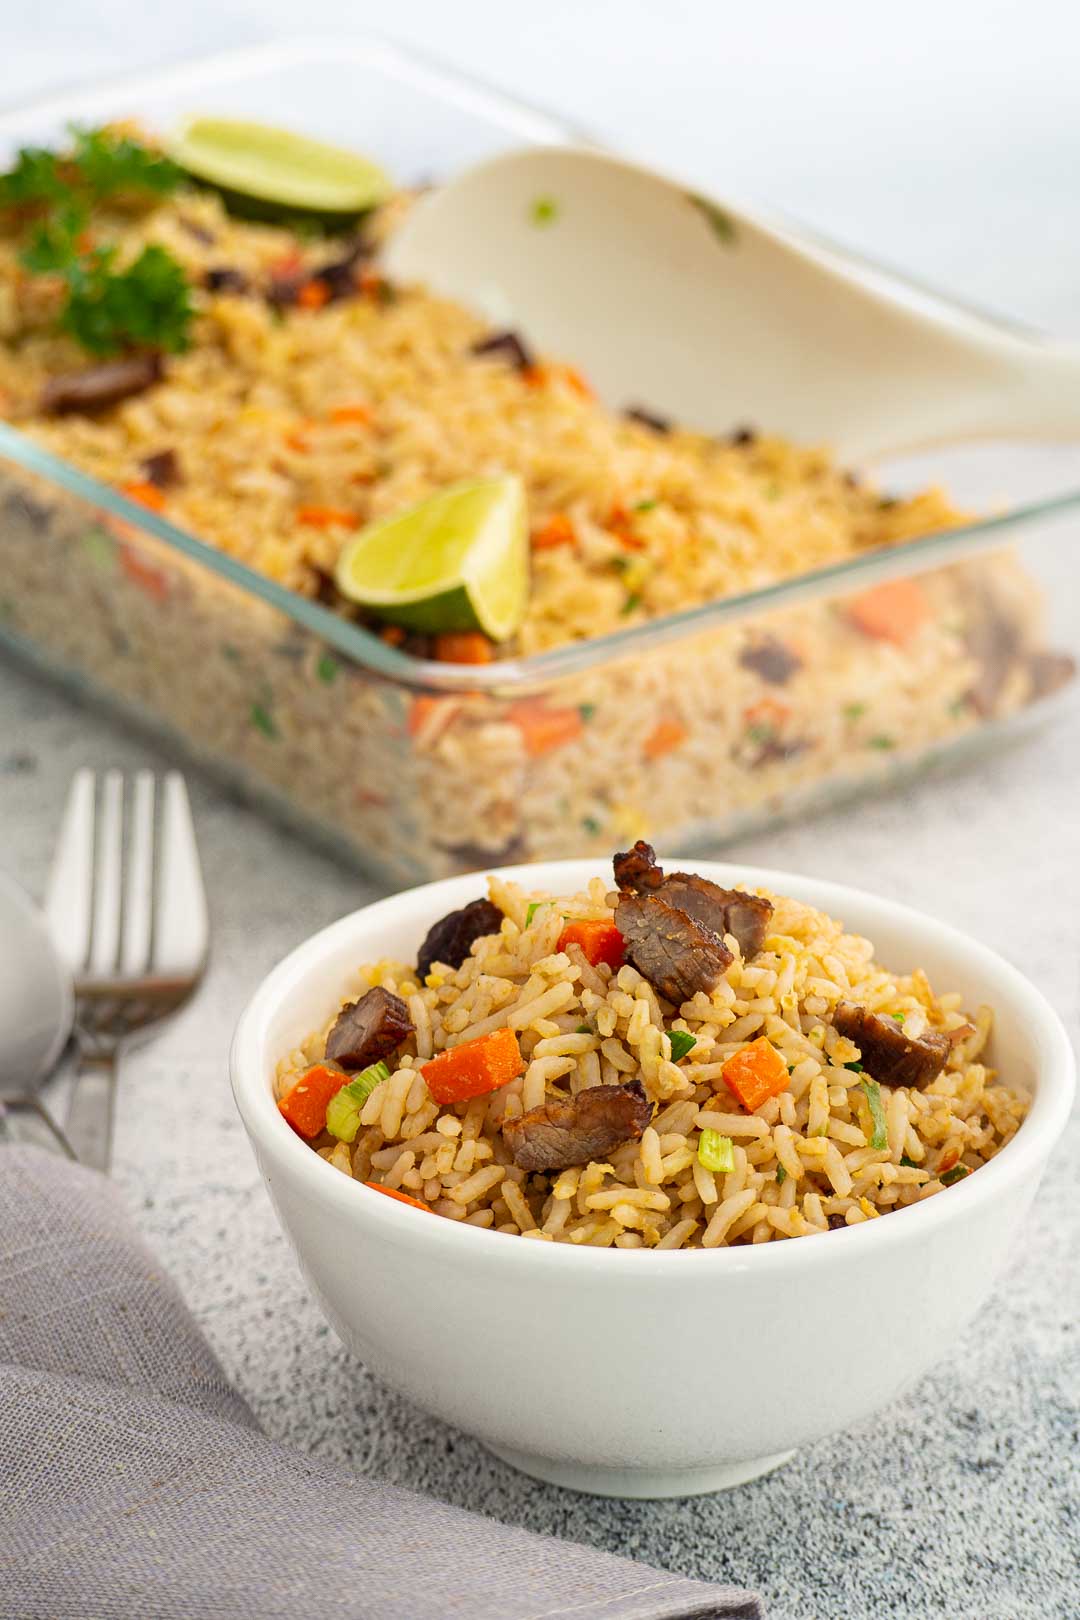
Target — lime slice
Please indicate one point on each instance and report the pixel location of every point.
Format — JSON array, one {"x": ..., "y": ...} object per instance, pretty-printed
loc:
[
  {"x": 458, "y": 561},
  {"x": 275, "y": 169}
]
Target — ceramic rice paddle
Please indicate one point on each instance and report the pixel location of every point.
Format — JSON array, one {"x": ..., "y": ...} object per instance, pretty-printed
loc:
[{"x": 673, "y": 302}]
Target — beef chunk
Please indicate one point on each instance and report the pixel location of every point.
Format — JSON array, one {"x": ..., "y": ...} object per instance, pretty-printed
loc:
[
  {"x": 649, "y": 419},
  {"x": 772, "y": 660},
  {"x": 368, "y": 1029},
  {"x": 582, "y": 1128},
  {"x": 510, "y": 346},
  {"x": 743, "y": 438},
  {"x": 225, "y": 278},
  {"x": 887, "y": 1053},
  {"x": 96, "y": 387},
  {"x": 450, "y": 939},
  {"x": 677, "y": 954},
  {"x": 721, "y": 911},
  {"x": 161, "y": 469},
  {"x": 836, "y": 1222},
  {"x": 636, "y": 871}
]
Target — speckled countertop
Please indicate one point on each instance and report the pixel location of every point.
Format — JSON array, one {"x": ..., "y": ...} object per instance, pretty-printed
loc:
[{"x": 964, "y": 1498}]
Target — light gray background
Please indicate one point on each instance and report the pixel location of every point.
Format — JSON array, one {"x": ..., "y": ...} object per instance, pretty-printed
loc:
[{"x": 943, "y": 137}]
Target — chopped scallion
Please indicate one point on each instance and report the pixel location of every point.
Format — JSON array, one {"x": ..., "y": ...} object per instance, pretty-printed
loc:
[
  {"x": 534, "y": 907},
  {"x": 343, "y": 1110},
  {"x": 644, "y": 506},
  {"x": 957, "y": 1173},
  {"x": 716, "y": 1152},
  {"x": 856, "y": 1068},
  {"x": 263, "y": 720},
  {"x": 854, "y": 711},
  {"x": 326, "y": 668},
  {"x": 586, "y": 711},
  {"x": 681, "y": 1043},
  {"x": 544, "y": 211},
  {"x": 909, "y": 1164},
  {"x": 591, "y": 825},
  {"x": 781, "y": 1175},
  {"x": 880, "y": 1137}
]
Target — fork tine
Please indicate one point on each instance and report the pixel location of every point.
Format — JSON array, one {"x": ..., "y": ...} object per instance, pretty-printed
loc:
[
  {"x": 135, "y": 944},
  {"x": 181, "y": 927},
  {"x": 69, "y": 898},
  {"x": 108, "y": 879}
]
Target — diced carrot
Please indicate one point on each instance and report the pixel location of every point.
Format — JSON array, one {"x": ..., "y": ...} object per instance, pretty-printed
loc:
[
  {"x": 145, "y": 493},
  {"x": 535, "y": 376},
  {"x": 557, "y": 531},
  {"x": 359, "y": 414},
  {"x": 544, "y": 729},
  {"x": 600, "y": 941},
  {"x": 464, "y": 647},
  {"x": 949, "y": 1160},
  {"x": 371, "y": 284},
  {"x": 298, "y": 441},
  {"x": 666, "y": 735},
  {"x": 474, "y": 1068},
  {"x": 576, "y": 381},
  {"x": 621, "y": 525},
  {"x": 767, "y": 713},
  {"x": 150, "y": 580},
  {"x": 894, "y": 611},
  {"x": 422, "y": 710},
  {"x": 755, "y": 1074},
  {"x": 326, "y": 517},
  {"x": 402, "y": 1198},
  {"x": 287, "y": 263},
  {"x": 313, "y": 294},
  {"x": 305, "y": 1103}
]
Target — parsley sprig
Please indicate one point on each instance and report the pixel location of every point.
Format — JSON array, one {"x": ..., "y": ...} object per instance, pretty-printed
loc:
[{"x": 107, "y": 308}]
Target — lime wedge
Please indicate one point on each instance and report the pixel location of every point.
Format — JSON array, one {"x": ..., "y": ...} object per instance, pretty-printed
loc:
[
  {"x": 276, "y": 169},
  {"x": 458, "y": 561}
]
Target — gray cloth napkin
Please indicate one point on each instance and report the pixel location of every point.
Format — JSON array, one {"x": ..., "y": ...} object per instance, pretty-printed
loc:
[{"x": 135, "y": 1484}]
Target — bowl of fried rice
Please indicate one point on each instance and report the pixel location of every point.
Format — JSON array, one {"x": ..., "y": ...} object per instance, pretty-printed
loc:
[{"x": 542, "y": 1141}]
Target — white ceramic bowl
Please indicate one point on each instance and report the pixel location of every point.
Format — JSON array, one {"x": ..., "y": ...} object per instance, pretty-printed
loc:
[{"x": 626, "y": 1372}]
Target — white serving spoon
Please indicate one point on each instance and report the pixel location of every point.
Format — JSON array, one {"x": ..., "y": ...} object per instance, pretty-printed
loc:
[
  {"x": 36, "y": 1009},
  {"x": 671, "y": 301}
]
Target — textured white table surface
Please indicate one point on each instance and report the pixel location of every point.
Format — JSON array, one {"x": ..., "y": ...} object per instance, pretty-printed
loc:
[{"x": 949, "y": 144}]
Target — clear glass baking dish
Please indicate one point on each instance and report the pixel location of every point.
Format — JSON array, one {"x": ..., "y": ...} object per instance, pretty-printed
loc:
[{"x": 683, "y": 730}]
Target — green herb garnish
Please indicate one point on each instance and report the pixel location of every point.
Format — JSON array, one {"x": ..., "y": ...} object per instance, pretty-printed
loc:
[
  {"x": 716, "y": 1152},
  {"x": 584, "y": 1029},
  {"x": 327, "y": 668},
  {"x": 957, "y": 1173},
  {"x": 681, "y": 1043},
  {"x": 856, "y": 1068},
  {"x": 644, "y": 506},
  {"x": 544, "y": 211},
  {"x": 908, "y": 1163},
  {"x": 586, "y": 711},
  {"x": 633, "y": 601},
  {"x": 591, "y": 825},
  {"x": 263, "y": 720},
  {"x": 109, "y": 307},
  {"x": 879, "y": 1139},
  {"x": 781, "y": 1175}
]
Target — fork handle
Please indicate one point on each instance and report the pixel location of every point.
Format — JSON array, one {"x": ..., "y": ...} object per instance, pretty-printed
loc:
[{"x": 90, "y": 1111}]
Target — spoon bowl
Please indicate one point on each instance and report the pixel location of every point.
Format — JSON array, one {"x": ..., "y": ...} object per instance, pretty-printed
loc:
[{"x": 680, "y": 304}]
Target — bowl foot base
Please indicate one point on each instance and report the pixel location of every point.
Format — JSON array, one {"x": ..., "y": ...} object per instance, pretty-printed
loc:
[{"x": 641, "y": 1482}]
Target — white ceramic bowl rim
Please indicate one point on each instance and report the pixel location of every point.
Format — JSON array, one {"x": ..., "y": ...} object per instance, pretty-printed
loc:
[{"x": 252, "y": 1070}]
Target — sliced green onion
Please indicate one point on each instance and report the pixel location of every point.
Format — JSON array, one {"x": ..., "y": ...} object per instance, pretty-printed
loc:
[
  {"x": 957, "y": 1173},
  {"x": 899, "y": 1017},
  {"x": 681, "y": 1043},
  {"x": 880, "y": 1138},
  {"x": 544, "y": 211},
  {"x": 909, "y": 1164},
  {"x": 343, "y": 1111},
  {"x": 584, "y": 1029},
  {"x": 716, "y": 1152},
  {"x": 781, "y": 1175},
  {"x": 326, "y": 669},
  {"x": 263, "y": 720},
  {"x": 644, "y": 506},
  {"x": 856, "y": 1068},
  {"x": 534, "y": 907},
  {"x": 854, "y": 711},
  {"x": 592, "y": 826},
  {"x": 586, "y": 711}
]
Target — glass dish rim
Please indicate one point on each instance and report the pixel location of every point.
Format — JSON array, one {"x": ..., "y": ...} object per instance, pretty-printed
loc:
[{"x": 365, "y": 648}]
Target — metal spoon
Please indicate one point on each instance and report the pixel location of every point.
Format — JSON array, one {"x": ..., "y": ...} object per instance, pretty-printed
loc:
[
  {"x": 714, "y": 316},
  {"x": 36, "y": 1009}
]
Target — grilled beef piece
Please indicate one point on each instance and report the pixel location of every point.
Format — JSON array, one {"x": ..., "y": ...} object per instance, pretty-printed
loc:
[
  {"x": 161, "y": 469},
  {"x": 677, "y": 954},
  {"x": 225, "y": 278},
  {"x": 772, "y": 660},
  {"x": 649, "y": 419},
  {"x": 886, "y": 1052},
  {"x": 96, "y": 387},
  {"x": 725, "y": 911},
  {"x": 636, "y": 871},
  {"x": 721, "y": 911},
  {"x": 368, "y": 1029},
  {"x": 582, "y": 1128},
  {"x": 450, "y": 939},
  {"x": 510, "y": 346},
  {"x": 743, "y": 437}
]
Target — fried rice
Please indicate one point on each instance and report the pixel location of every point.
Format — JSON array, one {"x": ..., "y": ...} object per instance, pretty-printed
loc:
[{"x": 802, "y": 1162}]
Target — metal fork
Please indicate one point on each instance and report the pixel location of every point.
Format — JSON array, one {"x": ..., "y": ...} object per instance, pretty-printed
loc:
[{"x": 126, "y": 907}]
